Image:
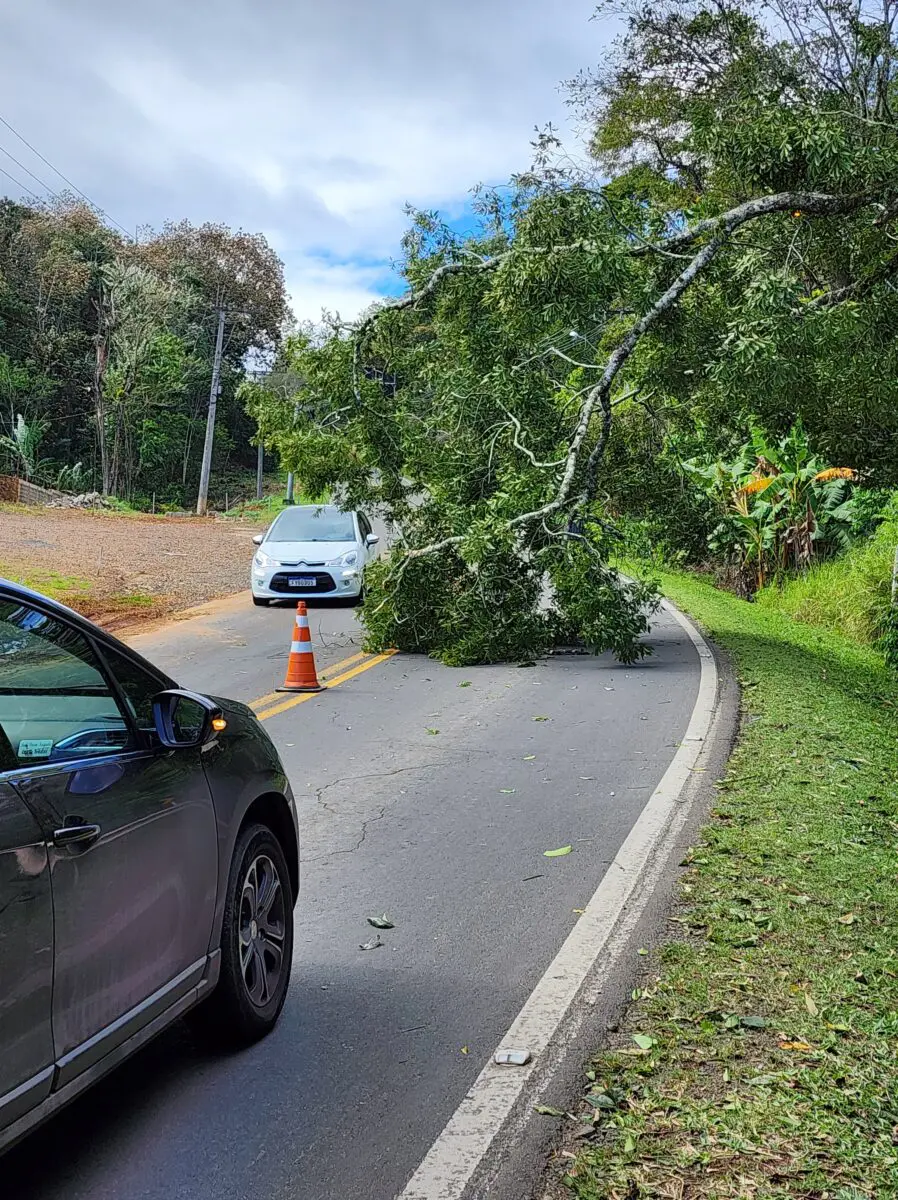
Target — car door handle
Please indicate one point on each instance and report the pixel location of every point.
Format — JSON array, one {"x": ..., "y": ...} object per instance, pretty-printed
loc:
[{"x": 76, "y": 835}]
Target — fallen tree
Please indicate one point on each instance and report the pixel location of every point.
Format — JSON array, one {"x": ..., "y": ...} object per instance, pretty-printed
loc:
[{"x": 475, "y": 412}]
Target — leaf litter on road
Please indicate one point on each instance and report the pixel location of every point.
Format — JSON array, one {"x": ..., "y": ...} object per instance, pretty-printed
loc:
[
  {"x": 383, "y": 922},
  {"x": 559, "y": 853},
  {"x": 374, "y": 943}
]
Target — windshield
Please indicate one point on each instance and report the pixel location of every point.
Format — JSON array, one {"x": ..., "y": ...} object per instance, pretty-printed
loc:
[{"x": 313, "y": 525}]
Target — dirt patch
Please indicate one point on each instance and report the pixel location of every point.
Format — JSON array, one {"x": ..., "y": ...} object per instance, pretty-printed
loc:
[{"x": 119, "y": 570}]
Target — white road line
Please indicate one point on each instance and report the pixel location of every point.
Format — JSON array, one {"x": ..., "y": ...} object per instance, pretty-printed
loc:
[{"x": 474, "y": 1128}]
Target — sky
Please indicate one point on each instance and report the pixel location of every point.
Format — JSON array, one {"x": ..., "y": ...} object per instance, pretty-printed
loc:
[{"x": 311, "y": 121}]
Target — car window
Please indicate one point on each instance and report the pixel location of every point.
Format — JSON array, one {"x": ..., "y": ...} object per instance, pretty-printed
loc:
[
  {"x": 138, "y": 686},
  {"x": 312, "y": 525},
  {"x": 364, "y": 526},
  {"x": 55, "y": 702}
]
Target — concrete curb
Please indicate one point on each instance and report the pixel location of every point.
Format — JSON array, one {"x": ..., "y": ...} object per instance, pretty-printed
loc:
[{"x": 494, "y": 1144}]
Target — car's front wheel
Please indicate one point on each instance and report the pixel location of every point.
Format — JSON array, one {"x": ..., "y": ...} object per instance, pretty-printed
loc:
[{"x": 256, "y": 943}]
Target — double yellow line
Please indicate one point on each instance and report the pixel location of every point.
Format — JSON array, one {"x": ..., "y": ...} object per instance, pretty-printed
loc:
[{"x": 278, "y": 702}]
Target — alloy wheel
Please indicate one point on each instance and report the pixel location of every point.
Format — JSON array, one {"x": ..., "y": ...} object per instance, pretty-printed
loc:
[{"x": 261, "y": 931}]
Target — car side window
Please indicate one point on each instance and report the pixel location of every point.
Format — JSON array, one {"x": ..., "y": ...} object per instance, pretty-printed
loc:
[
  {"x": 55, "y": 701},
  {"x": 138, "y": 687},
  {"x": 364, "y": 526}
]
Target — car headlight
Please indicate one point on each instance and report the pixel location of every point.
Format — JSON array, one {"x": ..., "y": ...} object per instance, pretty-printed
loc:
[
  {"x": 350, "y": 559},
  {"x": 264, "y": 560}
]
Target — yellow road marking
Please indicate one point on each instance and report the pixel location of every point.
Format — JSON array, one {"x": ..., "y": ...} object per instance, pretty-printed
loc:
[
  {"x": 303, "y": 696},
  {"x": 328, "y": 671}
]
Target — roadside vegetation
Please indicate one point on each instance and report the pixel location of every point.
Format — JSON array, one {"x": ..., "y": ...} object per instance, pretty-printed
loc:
[
  {"x": 106, "y": 352},
  {"x": 759, "y": 1060},
  {"x": 680, "y": 333}
]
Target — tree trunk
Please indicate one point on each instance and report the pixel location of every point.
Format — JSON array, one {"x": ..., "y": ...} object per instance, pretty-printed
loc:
[{"x": 100, "y": 364}]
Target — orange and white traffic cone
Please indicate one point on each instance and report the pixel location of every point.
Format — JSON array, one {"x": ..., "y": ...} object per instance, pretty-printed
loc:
[{"x": 301, "y": 673}]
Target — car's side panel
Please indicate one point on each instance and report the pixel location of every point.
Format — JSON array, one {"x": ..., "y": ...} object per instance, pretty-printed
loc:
[
  {"x": 26, "y": 960},
  {"x": 20, "y": 1128},
  {"x": 133, "y": 911}
]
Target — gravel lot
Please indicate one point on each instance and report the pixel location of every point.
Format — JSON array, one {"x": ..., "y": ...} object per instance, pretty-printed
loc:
[{"x": 117, "y": 569}]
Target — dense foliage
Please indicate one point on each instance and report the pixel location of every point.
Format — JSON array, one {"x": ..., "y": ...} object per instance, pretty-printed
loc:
[
  {"x": 106, "y": 348},
  {"x": 722, "y": 259}
]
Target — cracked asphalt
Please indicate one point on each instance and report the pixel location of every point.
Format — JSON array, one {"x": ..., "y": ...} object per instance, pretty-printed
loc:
[{"x": 420, "y": 798}]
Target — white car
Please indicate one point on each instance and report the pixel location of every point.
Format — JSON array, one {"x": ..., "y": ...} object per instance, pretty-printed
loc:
[{"x": 312, "y": 550}]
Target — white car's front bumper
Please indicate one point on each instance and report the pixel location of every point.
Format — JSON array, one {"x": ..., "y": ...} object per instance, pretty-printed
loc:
[{"x": 285, "y": 583}]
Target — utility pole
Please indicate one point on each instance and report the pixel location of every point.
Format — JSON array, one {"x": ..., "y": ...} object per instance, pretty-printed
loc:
[
  {"x": 206, "y": 467},
  {"x": 260, "y": 470},
  {"x": 290, "y": 480}
]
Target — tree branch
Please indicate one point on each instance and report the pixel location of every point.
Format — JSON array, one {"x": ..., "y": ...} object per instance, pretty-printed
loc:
[{"x": 721, "y": 228}]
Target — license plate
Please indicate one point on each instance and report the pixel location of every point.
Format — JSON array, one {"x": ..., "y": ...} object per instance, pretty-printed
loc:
[{"x": 302, "y": 581}]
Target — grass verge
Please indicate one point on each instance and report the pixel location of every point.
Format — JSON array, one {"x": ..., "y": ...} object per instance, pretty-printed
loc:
[
  {"x": 850, "y": 594},
  {"x": 760, "y": 1059}
]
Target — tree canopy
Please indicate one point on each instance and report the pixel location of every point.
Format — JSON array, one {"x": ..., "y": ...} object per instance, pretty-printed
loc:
[
  {"x": 106, "y": 346},
  {"x": 720, "y": 257}
]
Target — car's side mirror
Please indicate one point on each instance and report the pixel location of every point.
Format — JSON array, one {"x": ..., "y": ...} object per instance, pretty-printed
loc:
[
  {"x": 372, "y": 539},
  {"x": 184, "y": 719},
  {"x": 258, "y": 539}
]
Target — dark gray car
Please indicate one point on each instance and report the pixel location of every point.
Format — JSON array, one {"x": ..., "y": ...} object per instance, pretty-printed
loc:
[{"x": 149, "y": 860}]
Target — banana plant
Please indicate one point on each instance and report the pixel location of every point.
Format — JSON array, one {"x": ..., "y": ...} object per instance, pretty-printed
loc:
[
  {"x": 780, "y": 505},
  {"x": 23, "y": 446}
]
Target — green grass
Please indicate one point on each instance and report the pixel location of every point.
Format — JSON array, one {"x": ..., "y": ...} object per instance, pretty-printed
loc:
[
  {"x": 81, "y": 594},
  {"x": 268, "y": 507},
  {"x": 771, "y": 1065},
  {"x": 849, "y": 594},
  {"x": 50, "y": 583}
]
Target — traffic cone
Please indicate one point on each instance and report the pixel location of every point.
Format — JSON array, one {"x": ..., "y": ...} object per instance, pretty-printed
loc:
[{"x": 301, "y": 673}]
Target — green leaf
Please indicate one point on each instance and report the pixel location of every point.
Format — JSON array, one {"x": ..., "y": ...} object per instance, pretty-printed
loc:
[
  {"x": 507, "y": 791},
  {"x": 465, "y": 683},
  {"x": 545, "y": 1111},
  {"x": 754, "y": 1022},
  {"x": 559, "y": 853},
  {"x": 529, "y": 757},
  {"x": 542, "y": 718},
  {"x": 383, "y": 922},
  {"x": 601, "y": 1100},
  {"x": 433, "y": 731},
  {"x": 644, "y": 1042}
]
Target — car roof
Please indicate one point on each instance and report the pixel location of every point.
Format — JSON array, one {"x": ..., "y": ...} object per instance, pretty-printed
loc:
[{"x": 328, "y": 508}]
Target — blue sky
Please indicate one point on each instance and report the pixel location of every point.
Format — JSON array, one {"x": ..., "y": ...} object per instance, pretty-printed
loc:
[{"x": 312, "y": 123}]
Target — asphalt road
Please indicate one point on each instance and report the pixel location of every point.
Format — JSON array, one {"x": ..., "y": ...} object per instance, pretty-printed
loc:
[{"x": 426, "y": 793}]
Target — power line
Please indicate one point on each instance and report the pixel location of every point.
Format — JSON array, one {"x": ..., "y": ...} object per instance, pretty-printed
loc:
[
  {"x": 56, "y": 170},
  {"x": 36, "y": 178},
  {"x": 26, "y": 190}
]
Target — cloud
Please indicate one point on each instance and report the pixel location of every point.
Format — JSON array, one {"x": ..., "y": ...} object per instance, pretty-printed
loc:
[
  {"x": 317, "y": 121},
  {"x": 316, "y": 283}
]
